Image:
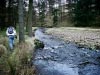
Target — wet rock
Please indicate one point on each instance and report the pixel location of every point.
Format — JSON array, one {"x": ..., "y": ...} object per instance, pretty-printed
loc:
[
  {"x": 38, "y": 44},
  {"x": 71, "y": 55},
  {"x": 38, "y": 58}
]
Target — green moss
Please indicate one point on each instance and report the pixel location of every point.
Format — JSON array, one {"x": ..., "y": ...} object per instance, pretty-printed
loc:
[{"x": 38, "y": 44}]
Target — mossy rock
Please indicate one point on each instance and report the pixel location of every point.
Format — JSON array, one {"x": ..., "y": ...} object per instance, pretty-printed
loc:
[{"x": 38, "y": 44}]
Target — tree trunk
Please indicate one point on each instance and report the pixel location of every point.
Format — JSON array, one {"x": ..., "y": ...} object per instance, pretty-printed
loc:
[
  {"x": 30, "y": 18},
  {"x": 26, "y": 21},
  {"x": 21, "y": 22}
]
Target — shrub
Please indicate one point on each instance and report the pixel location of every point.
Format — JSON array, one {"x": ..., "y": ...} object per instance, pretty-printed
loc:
[
  {"x": 2, "y": 50},
  {"x": 4, "y": 41},
  {"x": 26, "y": 71},
  {"x": 20, "y": 58},
  {"x": 19, "y": 61}
]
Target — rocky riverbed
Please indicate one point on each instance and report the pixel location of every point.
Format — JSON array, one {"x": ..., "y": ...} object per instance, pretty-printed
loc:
[{"x": 63, "y": 58}]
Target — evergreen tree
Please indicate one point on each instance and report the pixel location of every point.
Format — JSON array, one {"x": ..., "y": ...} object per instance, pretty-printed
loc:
[
  {"x": 97, "y": 11},
  {"x": 55, "y": 16},
  {"x": 2, "y": 14},
  {"x": 84, "y": 14},
  {"x": 42, "y": 9}
]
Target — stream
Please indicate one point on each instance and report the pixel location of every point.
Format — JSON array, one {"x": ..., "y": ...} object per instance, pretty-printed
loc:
[{"x": 63, "y": 58}]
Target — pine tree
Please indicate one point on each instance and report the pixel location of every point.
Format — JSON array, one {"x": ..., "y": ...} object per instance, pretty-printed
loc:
[
  {"x": 84, "y": 16},
  {"x": 2, "y": 14},
  {"x": 42, "y": 10}
]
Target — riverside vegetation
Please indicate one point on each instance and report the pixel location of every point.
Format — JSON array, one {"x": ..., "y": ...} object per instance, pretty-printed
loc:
[{"x": 18, "y": 61}]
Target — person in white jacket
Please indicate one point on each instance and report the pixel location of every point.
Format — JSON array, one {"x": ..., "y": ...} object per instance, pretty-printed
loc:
[{"x": 11, "y": 33}]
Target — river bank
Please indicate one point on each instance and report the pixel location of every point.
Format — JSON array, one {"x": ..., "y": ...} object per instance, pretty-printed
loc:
[
  {"x": 84, "y": 37},
  {"x": 19, "y": 60}
]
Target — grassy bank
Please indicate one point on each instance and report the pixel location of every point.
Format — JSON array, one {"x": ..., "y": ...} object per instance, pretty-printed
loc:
[
  {"x": 84, "y": 37},
  {"x": 18, "y": 61}
]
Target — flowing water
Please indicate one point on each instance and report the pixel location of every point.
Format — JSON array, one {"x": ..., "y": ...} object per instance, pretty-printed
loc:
[{"x": 63, "y": 58}]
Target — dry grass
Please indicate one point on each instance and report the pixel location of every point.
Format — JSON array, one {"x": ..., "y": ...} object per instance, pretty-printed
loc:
[
  {"x": 18, "y": 62},
  {"x": 3, "y": 50},
  {"x": 4, "y": 41},
  {"x": 89, "y": 37},
  {"x": 22, "y": 55}
]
